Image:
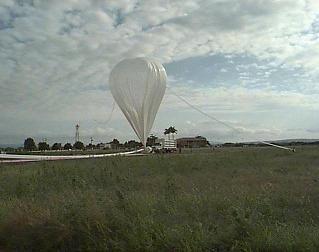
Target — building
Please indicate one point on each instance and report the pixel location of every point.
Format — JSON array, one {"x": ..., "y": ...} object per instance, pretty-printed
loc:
[
  {"x": 103, "y": 146},
  {"x": 192, "y": 142}
]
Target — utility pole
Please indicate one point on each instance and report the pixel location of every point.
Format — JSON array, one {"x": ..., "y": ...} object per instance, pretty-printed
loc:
[{"x": 91, "y": 140}]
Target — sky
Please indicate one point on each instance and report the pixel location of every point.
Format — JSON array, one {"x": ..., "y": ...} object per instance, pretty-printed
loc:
[{"x": 251, "y": 63}]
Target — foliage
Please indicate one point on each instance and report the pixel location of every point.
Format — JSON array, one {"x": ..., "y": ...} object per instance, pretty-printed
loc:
[
  {"x": 230, "y": 199},
  {"x": 90, "y": 146},
  {"x": 57, "y": 146},
  {"x": 43, "y": 146},
  {"x": 170, "y": 130},
  {"x": 132, "y": 144},
  {"x": 78, "y": 145},
  {"x": 115, "y": 144},
  {"x": 115, "y": 141},
  {"x": 9, "y": 149},
  {"x": 29, "y": 144},
  {"x": 67, "y": 146}
]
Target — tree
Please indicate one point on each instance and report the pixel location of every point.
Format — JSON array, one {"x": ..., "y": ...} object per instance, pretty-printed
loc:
[
  {"x": 115, "y": 143},
  {"x": 67, "y": 146},
  {"x": 43, "y": 146},
  {"x": 172, "y": 130},
  {"x": 57, "y": 146},
  {"x": 9, "y": 149},
  {"x": 78, "y": 145},
  {"x": 132, "y": 144},
  {"x": 90, "y": 146},
  {"x": 29, "y": 144}
]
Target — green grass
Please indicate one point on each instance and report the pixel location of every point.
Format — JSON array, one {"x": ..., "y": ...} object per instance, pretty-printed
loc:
[{"x": 236, "y": 199}]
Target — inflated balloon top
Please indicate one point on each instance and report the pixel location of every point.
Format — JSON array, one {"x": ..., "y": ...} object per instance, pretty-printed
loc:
[{"x": 138, "y": 86}]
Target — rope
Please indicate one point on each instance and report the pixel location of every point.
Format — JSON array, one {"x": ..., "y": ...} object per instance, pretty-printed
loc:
[
  {"x": 204, "y": 113},
  {"x": 278, "y": 146},
  {"x": 110, "y": 115},
  {"x": 221, "y": 122}
]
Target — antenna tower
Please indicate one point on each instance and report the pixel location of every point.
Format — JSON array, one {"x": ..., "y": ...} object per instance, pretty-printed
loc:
[{"x": 77, "y": 133}]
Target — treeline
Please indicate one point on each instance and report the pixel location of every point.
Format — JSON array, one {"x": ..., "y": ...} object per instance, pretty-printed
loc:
[{"x": 30, "y": 145}]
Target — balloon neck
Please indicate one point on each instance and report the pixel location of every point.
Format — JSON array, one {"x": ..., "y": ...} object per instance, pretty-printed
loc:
[{"x": 147, "y": 149}]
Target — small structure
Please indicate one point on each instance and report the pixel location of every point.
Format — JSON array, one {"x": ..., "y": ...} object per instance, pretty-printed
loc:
[
  {"x": 192, "y": 142},
  {"x": 104, "y": 146}
]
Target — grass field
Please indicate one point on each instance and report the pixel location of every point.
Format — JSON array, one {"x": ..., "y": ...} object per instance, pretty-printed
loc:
[{"x": 241, "y": 199}]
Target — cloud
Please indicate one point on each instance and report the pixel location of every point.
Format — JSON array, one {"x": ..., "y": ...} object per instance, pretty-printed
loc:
[
  {"x": 256, "y": 114},
  {"x": 55, "y": 56}
]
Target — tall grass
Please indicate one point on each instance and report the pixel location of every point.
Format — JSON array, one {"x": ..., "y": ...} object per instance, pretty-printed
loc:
[{"x": 254, "y": 199}]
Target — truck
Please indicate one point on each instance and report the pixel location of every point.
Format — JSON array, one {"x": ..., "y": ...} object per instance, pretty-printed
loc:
[{"x": 164, "y": 145}]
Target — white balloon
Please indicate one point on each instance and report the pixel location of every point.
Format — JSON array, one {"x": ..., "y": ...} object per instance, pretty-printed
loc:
[{"x": 138, "y": 86}]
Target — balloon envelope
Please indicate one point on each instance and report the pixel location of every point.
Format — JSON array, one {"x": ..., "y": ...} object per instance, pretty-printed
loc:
[{"x": 138, "y": 86}]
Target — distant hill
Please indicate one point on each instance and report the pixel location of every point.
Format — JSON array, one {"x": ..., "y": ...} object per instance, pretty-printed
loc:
[
  {"x": 286, "y": 141},
  {"x": 280, "y": 141},
  {"x": 215, "y": 142},
  {"x": 10, "y": 145},
  {"x": 296, "y": 140}
]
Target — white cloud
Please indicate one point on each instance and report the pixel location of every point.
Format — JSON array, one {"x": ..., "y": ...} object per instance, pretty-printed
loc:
[
  {"x": 256, "y": 113},
  {"x": 56, "y": 55}
]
